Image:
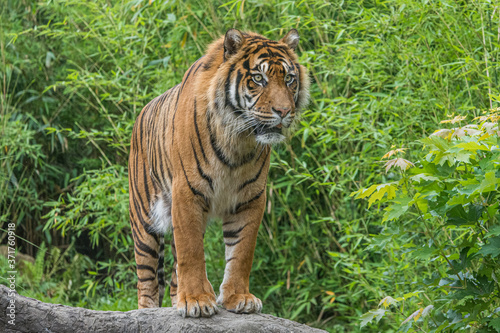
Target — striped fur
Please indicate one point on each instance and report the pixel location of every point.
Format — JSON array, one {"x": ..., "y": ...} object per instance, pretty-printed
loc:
[{"x": 202, "y": 150}]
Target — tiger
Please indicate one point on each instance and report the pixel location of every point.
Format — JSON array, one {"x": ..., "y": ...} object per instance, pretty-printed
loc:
[{"x": 201, "y": 151}]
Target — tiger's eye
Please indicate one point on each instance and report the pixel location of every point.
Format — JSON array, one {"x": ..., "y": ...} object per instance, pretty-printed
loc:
[
  {"x": 257, "y": 77},
  {"x": 288, "y": 78}
]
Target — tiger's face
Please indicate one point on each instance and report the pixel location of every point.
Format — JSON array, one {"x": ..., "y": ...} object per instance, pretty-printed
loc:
[{"x": 265, "y": 85}]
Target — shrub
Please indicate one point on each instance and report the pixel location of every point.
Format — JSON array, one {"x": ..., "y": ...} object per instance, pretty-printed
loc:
[{"x": 451, "y": 196}]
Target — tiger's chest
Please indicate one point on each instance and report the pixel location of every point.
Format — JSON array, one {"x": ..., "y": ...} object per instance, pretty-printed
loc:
[
  {"x": 228, "y": 176},
  {"x": 233, "y": 188}
]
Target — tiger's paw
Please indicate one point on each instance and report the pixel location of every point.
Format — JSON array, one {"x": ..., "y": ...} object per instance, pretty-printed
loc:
[
  {"x": 203, "y": 305},
  {"x": 241, "y": 303}
]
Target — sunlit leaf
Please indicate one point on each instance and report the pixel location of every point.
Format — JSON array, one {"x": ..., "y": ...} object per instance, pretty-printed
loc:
[
  {"x": 415, "y": 315},
  {"x": 387, "y": 301},
  {"x": 370, "y": 315},
  {"x": 393, "y": 152},
  {"x": 399, "y": 162}
]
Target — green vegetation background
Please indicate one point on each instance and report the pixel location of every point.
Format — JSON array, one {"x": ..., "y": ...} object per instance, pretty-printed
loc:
[{"x": 75, "y": 74}]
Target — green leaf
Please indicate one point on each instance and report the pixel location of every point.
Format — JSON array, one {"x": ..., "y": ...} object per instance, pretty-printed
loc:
[
  {"x": 463, "y": 156},
  {"x": 492, "y": 248},
  {"x": 495, "y": 324},
  {"x": 472, "y": 146},
  {"x": 489, "y": 183},
  {"x": 424, "y": 176},
  {"x": 493, "y": 231},
  {"x": 370, "y": 315},
  {"x": 420, "y": 202},
  {"x": 436, "y": 143},
  {"x": 397, "y": 209},
  {"x": 457, "y": 200},
  {"x": 377, "y": 192}
]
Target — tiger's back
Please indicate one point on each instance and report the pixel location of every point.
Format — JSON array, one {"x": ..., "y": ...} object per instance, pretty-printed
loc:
[{"x": 202, "y": 149}]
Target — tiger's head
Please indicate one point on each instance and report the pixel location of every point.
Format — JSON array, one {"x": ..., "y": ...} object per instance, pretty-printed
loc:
[{"x": 260, "y": 86}]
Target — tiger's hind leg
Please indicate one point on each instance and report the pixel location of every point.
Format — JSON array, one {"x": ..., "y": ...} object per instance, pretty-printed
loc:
[
  {"x": 147, "y": 248},
  {"x": 160, "y": 224},
  {"x": 173, "y": 281},
  {"x": 148, "y": 243},
  {"x": 161, "y": 271}
]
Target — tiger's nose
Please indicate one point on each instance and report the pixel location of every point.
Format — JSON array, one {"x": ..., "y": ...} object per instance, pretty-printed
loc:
[{"x": 282, "y": 112}]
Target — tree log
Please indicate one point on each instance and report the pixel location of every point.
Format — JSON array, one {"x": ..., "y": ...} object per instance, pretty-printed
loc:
[{"x": 33, "y": 316}]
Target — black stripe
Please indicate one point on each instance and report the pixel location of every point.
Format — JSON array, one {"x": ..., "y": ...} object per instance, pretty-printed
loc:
[
  {"x": 260, "y": 153},
  {"x": 175, "y": 112},
  {"x": 159, "y": 152},
  {"x": 239, "y": 76},
  {"x": 233, "y": 233},
  {"x": 145, "y": 225},
  {"x": 161, "y": 280},
  {"x": 218, "y": 151},
  {"x": 258, "y": 97},
  {"x": 215, "y": 147},
  {"x": 161, "y": 264},
  {"x": 169, "y": 173},
  {"x": 228, "y": 260},
  {"x": 198, "y": 133},
  {"x": 147, "y": 279},
  {"x": 208, "y": 64},
  {"x": 200, "y": 170},
  {"x": 146, "y": 267},
  {"x": 258, "y": 47},
  {"x": 152, "y": 106},
  {"x": 138, "y": 208},
  {"x": 201, "y": 63},
  {"x": 195, "y": 191},
  {"x": 138, "y": 252},
  {"x": 146, "y": 187},
  {"x": 173, "y": 284},
  {"x": 188, "y": 74},
  {"x": 270, "y": 51},
  {"x": 234, "y": 243},
  {"x": 158, "y": 170},
  {"x": 254, "y": 179},
  {"x": 140, "y": 124},
  {"x": 144, "y": 247},
  {"x": 238, "y": 207},
  {"x": 136, "y": 170},
  {"x": 246, "y": 64}
]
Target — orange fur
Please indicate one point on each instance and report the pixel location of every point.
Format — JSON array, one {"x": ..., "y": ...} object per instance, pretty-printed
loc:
[{"x": 202, "y": 150}]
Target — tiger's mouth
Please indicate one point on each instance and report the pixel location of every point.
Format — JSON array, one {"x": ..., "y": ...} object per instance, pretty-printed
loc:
[
  {"x": 269, "y": 135},
  {"x": 268, "y": 129}
]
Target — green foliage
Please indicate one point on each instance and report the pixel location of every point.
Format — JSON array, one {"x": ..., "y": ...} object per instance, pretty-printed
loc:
[
  {"x": 452, "y": 196},
  {"x": 75, "y": 74}
]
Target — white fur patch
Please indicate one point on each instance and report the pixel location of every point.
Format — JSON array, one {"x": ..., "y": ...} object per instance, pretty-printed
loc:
[
  {"x": 270, "y": 138},
  {"x": 161, "y": 215},
  {"x": 264, "y": 66}
]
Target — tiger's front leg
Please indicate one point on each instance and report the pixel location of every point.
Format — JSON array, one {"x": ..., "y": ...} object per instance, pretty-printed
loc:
[
  {"x": 240, "y": 236},
  {"x": 195, "y": 295}
]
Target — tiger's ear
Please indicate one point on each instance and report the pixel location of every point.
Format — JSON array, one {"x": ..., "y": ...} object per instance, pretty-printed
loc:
[
  {"x": 232, "y": 42},
  {"x": 291, "y": 39}
]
